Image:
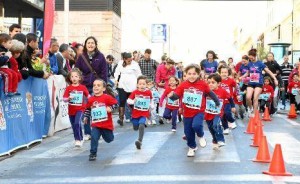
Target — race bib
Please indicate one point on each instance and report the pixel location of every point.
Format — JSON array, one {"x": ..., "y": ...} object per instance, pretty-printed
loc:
[
  {"x": 99, "y": 114},
  {"x": 254, "y": 77},
  {"x": 264, "y": 96},
  {"x": 240, "y": 98},
  {"x": 174, "y": 103},
  {"x": 156, "y": 97},
  {"x": 295, "y": 91},
  {"x": 211, "y": 107},
  {"x": 192, "y": 99},
  {"x": 142, "y": 103},
  {"x": 77, "y": 97}
]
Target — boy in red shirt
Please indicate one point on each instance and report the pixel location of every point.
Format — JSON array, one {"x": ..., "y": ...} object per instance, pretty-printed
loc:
[
  {"x": 193, "y": 92},
  {"x": 214, "y": 113},
  {"x": 74, "y": 94},
  {"x": 99, "y": 108},
  {"x": 293, "y": 90},
  {"x": 141, "y": 101},
  {"x": 267, "y": 94}
]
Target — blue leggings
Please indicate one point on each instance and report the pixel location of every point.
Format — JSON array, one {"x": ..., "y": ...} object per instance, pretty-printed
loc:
[
  {"x": 168, "y": 114},
  {"x": 227, "y": 117},
  {"x": 215, "y": 129},
  {"x": 191, "y": 126}
]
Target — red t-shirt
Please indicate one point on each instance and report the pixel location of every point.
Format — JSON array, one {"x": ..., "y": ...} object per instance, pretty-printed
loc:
[
  {"x": 79, "y": 92},
  {"x": 222, "y": 95},
  {"x": 228, "y": 84},
  {"x": 268, "y": 89},
  {"x": 104, "y": 101},
  {"x": 193, "y": 97},
  {"x": 173, "y": 105},
  {"x": 292, "y": 85},
  {"x": 142, "y": 103}
]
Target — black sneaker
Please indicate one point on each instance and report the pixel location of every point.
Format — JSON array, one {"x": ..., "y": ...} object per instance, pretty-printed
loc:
[
  {"x": 138, "y": 144},
  {"x": 161, "y": 121},
  {"x": 282, "y": 108},
  {"x": 92, "y": 157},
  {"x": 120, "y": 122}
]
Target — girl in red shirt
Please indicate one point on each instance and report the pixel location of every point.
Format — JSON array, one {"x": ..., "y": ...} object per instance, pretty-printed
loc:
[
  {"x": 193, "y": 93},
  {"x": 229, "y": 85},
  {"x": 74, "y": 95},
  {"x": 141, "y": 101},
  {"x": 293, "y": 90},
  {"x": 267, "y": 94},
  {"x": 99, "y": 109},
  {"x": 172, "y": 107}
]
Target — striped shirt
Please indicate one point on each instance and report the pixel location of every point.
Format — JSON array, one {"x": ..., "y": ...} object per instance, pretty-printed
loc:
[
  {"x": 286, "y": 71},
  {"x": 148, "y": 68}
]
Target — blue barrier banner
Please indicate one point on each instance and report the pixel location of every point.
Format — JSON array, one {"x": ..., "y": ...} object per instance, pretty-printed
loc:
[{"x": 26, "y": 117}]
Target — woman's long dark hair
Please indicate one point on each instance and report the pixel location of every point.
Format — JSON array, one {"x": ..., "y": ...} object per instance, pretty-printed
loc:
[{"x": 96, "y": 43}]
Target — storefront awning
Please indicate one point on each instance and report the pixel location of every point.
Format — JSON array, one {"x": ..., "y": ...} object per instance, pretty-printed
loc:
[{"x": 13, "y": 8}]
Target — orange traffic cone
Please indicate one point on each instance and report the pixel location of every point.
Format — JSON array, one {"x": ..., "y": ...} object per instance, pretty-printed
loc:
[
  {"x": 257, "y": 136},
  {"x": 259, "y": 123},
  {"x": 250, "y": 127},
  {"x": 277, "y": 167},
  {"x": 266, "y": 115},
  {"x": 263, "y": 154},
  {"x": 292, "y": 114}
]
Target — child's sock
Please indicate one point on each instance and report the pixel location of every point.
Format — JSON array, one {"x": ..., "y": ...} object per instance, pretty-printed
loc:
[{"x": 141, "y": 132}]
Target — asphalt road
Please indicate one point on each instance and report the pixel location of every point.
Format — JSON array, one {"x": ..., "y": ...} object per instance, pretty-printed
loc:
[{"x": 162, "y": 158}]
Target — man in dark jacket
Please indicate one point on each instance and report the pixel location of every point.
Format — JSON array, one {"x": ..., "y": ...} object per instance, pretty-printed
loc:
[
  {"x": 62, "y": 56},
  {"x": 25, "y": 66}
]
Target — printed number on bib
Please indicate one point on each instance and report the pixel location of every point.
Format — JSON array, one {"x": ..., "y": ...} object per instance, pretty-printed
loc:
[
  {"x": 155, "y": 95},
  {"x": 211, "y": 107},
  {"x": 264, "y": 96},
  {"x": 142, "y": 103},
  {"x": 99, "y": 114},
  {"x": 77, "y": 97},
  {"x": 174, "y": 103},
  {"x": 192, "y": 99},
  {"x": 254, "y": 77},
  {"x": 295, "y": 91}
]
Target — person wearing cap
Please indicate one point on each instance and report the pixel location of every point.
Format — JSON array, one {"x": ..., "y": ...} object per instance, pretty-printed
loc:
[{"x": 126, "y": 75}]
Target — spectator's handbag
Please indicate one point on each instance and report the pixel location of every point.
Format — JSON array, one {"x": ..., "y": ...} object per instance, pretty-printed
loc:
[
  {"x": 109, "y": 89},
  {"x": 89, "y": 66}
]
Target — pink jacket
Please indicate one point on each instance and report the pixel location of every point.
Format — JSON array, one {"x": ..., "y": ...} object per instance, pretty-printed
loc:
[{"x": 163, "y": 74}]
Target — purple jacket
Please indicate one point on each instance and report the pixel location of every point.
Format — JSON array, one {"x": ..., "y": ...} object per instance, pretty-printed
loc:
[{"x": 98, "y": 64}]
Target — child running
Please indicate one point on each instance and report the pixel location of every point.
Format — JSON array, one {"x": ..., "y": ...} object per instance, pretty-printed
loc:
[
  {"x": 74, "y": 94},
  {"x": 267, "y": 94},
  {"x": 141, "y": 101},
  {"x": 156, "y": 96},
  {"x": 171, "y": 110},
  {"x": 99, "y": 109},
  {"x": 214, "y": 113},
  {"x": 193, "y": 92},
  {"x": 293, "y": 90},
  {"x": 229, "y": 85}
]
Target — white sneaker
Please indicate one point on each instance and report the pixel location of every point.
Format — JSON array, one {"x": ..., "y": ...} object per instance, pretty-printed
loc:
[
  {"x": 168, "y": 121},
  {"x": 127, "y": 120},
  {"x": 216, "y": 146},
  {"x": 191, "y": 152},
  {"x": 233, "y": 125},
  {"x": 202, "y": 142},
  {"x": 226, "y": 131},
  {"x": 149, "y": 122},
  {"x": 153, "y": 122},
  {"x": 173, "y": 130},
  {"x": 87, "y": 137},
  {"x": 77, "y": 143},
  {"x": 221, "y": 143}
]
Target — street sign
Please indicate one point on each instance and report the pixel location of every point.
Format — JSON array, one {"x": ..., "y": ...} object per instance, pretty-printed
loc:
[{"x": 159, "y": 33}]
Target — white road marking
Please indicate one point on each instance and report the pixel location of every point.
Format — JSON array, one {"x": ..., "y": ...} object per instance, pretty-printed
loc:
[
  {"x": 67, "y": 149},
  {"x": 294, "y": 123},
  {"x": 130, "y": 155},
  {"x": 157, "y": 178},
  {"x": 289, "y": 145},
  {"x": 227, "y": 153}
]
